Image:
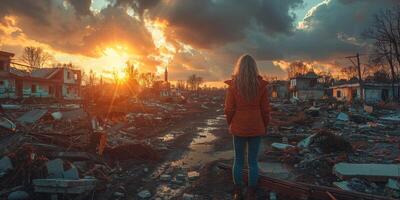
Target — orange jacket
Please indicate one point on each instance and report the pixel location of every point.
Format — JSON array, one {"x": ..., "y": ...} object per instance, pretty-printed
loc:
[{"x": 247, "y": 118}]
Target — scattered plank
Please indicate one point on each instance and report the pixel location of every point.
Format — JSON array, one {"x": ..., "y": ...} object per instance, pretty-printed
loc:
[{"x": 32, "y": 116}]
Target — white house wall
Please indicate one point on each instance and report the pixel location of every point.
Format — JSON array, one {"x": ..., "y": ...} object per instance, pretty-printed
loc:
[{"x": 71, "y": 79}]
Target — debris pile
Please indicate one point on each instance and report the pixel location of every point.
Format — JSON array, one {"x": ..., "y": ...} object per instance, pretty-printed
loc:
[
  {"x": 61, "y": 150},
  {"x": 330, "y": 143}
]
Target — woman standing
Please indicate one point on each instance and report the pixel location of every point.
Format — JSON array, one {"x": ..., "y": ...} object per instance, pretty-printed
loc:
[{"x": 247, "y": 113}]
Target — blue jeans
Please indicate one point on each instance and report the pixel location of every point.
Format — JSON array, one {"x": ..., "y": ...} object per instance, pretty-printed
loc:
[{"x": 253, "y": 145}]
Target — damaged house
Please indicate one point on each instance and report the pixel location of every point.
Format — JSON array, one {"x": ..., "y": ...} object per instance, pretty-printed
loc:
[
  {"x": 61, "y": 82},
  {"x": 7, "y": 80},
  {"x": 374, "y": 92},
  {"x": 306, "y": 86},
  {"x": 279, "y": 89}
]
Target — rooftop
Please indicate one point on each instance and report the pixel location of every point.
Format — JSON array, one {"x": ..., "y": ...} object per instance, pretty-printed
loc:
[
  {"x": 7, "y": 54},
  {"x": 308, "y": 75}
]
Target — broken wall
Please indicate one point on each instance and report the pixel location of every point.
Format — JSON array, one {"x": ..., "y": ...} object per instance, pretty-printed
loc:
[
  {"x": 310, "y": 94},
  {"x": 70, "y": 92},
  {"x": 7, "y": 88},
  {"x": 345, "y": 93},
  {"x": 374, "y": 95},
  {"x": 39, "y": 89}
]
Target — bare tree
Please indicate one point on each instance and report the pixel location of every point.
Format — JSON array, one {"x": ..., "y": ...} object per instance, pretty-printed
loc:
[
  {"x": 385, "y": 32},
  {"x": 90, "y": 85},
  {"x": 147, "y": 79},
  {"x": 35, "y": 57},
  {"x": 297, "y": 68},
  {"x": 116, "y": 76},
  {"x": 194, "y": 82},
  {"x": 91, "y": 78},
  {"x": 132, "y": 78},
  {"x": 349, "y": 72},
  {"x": 327, "y": 78},
  {"x": 180, "y": 85}
]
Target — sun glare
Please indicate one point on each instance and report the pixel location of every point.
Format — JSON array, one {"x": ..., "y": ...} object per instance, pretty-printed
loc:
[{"x": 115, "y": 58}]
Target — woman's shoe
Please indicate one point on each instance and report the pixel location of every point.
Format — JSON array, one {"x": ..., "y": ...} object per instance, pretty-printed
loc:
[
  {"x": 251, "y": 193},
  {"x": 237, "y": 193}
]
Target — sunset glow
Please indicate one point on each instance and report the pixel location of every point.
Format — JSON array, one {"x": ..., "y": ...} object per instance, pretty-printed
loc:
[
  {"x": 115, "y": 56},
  {"x": 166, "y": 49},
  {"x": 158, "y": 35},
  {"x": 199, "y": 99}
]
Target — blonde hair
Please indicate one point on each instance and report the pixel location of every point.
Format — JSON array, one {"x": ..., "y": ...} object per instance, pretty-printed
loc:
[{"x": 245, "y": 76}]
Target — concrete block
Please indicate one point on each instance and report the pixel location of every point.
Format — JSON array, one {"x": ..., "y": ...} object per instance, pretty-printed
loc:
[
  {"x": 371, "y": 172},
  {"x": 55, "y": 168}
]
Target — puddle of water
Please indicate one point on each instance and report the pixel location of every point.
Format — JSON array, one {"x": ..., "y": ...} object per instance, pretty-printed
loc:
[
  {"x": 202, "y": 151},
  {"x": 167, "y": 137},
  {"x": 170, "y": 136},
  {"x": 201, "y": 148}
]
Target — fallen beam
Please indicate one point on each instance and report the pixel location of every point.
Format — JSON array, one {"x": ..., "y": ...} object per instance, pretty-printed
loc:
[{"x": 297, "y": 190}]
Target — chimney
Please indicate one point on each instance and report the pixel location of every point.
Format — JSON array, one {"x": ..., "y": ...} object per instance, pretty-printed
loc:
[{"x": 166, "y": 74}]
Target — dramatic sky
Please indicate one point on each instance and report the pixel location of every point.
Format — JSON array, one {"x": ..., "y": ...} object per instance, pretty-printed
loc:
[{"x": 202, "y": 37}]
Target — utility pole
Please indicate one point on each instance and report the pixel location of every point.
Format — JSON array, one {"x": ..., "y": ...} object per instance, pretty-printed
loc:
[{"x": 360, "y": 81}]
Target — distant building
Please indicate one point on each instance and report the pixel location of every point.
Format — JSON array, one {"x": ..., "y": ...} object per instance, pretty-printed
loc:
[
  {"x": 279, "y": 89},
  {"x": 306, "y": 86},
  {"x": 7, "y": 81},
  {"x": 373, "y": 92},
  {"x": 166, "y": 75},
  {"x": 62, "y": 82}
]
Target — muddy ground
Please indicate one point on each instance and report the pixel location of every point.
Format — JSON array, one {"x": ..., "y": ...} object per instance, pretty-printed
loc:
[{"x": 194, "y": 145}]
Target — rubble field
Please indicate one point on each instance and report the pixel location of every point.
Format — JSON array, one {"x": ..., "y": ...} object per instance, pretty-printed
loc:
[
  {"x": 152, "y": 149},
  {"x": 53, "y": 150}
]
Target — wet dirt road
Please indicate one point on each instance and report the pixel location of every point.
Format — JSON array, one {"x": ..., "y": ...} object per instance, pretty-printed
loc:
[{"x": 192, "y": 146}]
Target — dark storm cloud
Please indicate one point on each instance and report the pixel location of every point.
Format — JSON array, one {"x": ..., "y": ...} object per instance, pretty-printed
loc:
[
  {"x": 138, "y": 5},
  {"x": 210, "y": 23},
  {"x": 219, "y": 30},
  {"x": 332, "y": 30},
  {"x": 82, "y": 7},
  {"x": 36, "y": 10},
  {"x": 73, "y": 28},
  {"x": 119, "y": 28}
]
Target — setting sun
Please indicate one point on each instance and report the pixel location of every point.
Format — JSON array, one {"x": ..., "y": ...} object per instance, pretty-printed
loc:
[{"x": 115, "y": 58}]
